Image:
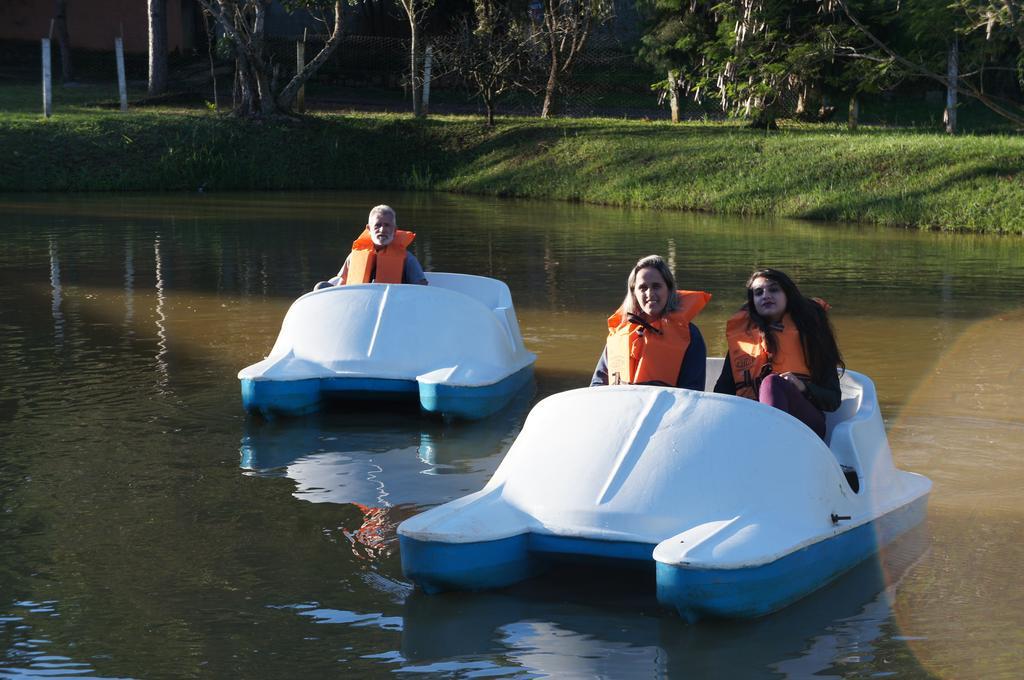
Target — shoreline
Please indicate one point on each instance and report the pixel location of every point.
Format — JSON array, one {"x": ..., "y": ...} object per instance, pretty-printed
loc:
[{"x": 894, "y": 177}]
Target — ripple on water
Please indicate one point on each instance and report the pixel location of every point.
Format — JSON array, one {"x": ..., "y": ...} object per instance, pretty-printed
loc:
[{"x": 28, "y": 654}]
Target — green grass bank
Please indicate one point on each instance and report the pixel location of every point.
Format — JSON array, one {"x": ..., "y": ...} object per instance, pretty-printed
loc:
[{"x": 900, "y": 177}]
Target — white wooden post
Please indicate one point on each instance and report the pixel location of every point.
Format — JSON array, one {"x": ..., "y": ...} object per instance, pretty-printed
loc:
[
  {"x": 47, "y": 80},
  {"x": 428, "y": 64},
  {"x": 121, "y": 86}
]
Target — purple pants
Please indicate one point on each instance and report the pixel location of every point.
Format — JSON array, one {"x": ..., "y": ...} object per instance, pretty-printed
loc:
[{"x": 783, "y": 395}]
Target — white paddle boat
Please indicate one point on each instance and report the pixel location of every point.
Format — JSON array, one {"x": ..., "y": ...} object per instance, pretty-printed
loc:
[
  {"x": 453, "y": 344},
  {"x": 741, "y": 507}
]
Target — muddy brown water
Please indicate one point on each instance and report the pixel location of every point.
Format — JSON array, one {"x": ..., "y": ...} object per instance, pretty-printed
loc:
[{"x": 149, "y": 529}]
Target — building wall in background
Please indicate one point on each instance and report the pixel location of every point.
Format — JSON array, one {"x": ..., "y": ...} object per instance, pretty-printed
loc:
[{"x": 93, "y": 24}]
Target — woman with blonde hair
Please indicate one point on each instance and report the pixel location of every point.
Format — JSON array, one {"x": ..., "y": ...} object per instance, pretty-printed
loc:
[{"x": 651, "y": 337}]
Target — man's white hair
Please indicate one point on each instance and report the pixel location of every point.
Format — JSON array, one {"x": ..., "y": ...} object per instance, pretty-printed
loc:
[{"x": 383, "y": 209}]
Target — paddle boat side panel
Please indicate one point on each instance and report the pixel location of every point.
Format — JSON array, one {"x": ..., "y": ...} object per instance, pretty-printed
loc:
[
  {"x": 749, "y": 592},
  {"x": 299, "y": 397},
  {"x": 472, "y": 403},
  {"x": 395, "y": 341},
  {"x": 497, "y": 555},
  {"x": 436, "y": 567},
  {"x": 291, "y": 397}
]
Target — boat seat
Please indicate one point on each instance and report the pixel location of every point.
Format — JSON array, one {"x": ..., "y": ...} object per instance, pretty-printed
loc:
[
  {"x": 492, "y": 293},
  {"x": 852, "y": 396},
  {"x": 714, "y": 369},
  {"x": 849, "y": 409}
]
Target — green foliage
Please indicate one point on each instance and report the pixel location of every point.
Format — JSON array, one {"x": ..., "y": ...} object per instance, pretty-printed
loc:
[
  {"x": 751, "y": 54},
  {"x": 224, "y": 49},
  {"x": 986, "y": 36},
  {"x": 746, "y": 54},
  {"x": 995, "y": 28}
]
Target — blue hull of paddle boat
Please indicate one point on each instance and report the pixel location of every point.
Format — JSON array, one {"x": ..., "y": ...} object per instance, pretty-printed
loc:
[
  {"x": 299, "y": 397},
  {"x": 694, "y": 593},
  {"x": 437, "y": 567},
  {"x": 473, "y": 403}
]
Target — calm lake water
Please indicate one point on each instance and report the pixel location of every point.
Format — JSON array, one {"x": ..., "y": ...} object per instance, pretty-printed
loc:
[{"x": 149, "y": 529}]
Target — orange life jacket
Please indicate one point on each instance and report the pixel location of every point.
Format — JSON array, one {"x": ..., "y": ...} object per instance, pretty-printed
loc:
[
  {"x": 750, "y": 359},
  {"x": 386, "y": 265},
  {"x": 644, "y": 357}
]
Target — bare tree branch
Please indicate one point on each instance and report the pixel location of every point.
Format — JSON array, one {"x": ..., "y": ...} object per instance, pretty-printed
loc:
[
  {"x": 291, "y": 90},
  {"x": 243, "y": 23}
]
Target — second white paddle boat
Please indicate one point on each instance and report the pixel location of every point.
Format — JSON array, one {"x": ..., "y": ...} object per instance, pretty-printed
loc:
[
  {"x": 740, "y": 507},
  {"x": 453, "y": 344}
]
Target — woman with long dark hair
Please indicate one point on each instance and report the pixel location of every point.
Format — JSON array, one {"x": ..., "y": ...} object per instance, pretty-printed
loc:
[
  {"x": 651, "y": 337},
  {"x": 783, "y": 351}
]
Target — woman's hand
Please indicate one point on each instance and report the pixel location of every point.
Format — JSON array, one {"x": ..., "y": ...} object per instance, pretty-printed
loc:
[{"x": 795, "y": 379}]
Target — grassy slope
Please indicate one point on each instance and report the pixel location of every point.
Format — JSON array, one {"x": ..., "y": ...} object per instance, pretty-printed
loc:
[
  {"x": 896, "y": 177},
  {"x": 889, "y": 177}
]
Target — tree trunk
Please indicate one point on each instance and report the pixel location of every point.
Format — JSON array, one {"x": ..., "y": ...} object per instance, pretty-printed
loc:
[
  {"x": 414, "y": 65},
  {"x": 209, "y": 52},
  {"x": 157, "y": 13},
  {"x": 60, "y": 24},
  {"x": 300, "y": 64},
  {"x": 673, "y": 95},
  {"x": 257, "y": 98},
  {"x": 246, "y": 87},
  {"x": 853, "y": 117},
  {"x": 236, "y": 86},
  {"x": 257, "y": 91},
  {"x": 428, "y": 65},
  {"x": 765, "y": 119},
  {"x": 549, "y": 89},
  {"x": 952, "y": 77}
]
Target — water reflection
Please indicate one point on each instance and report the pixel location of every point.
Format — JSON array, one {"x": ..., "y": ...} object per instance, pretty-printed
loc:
[
  {"x": 393, "y": 458},
  {"x": 129, "y": 282},
  {"x": 387, "y": 460},
  {"x": 55, "y": 287},
  {"x": 161, "y": 319}
]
